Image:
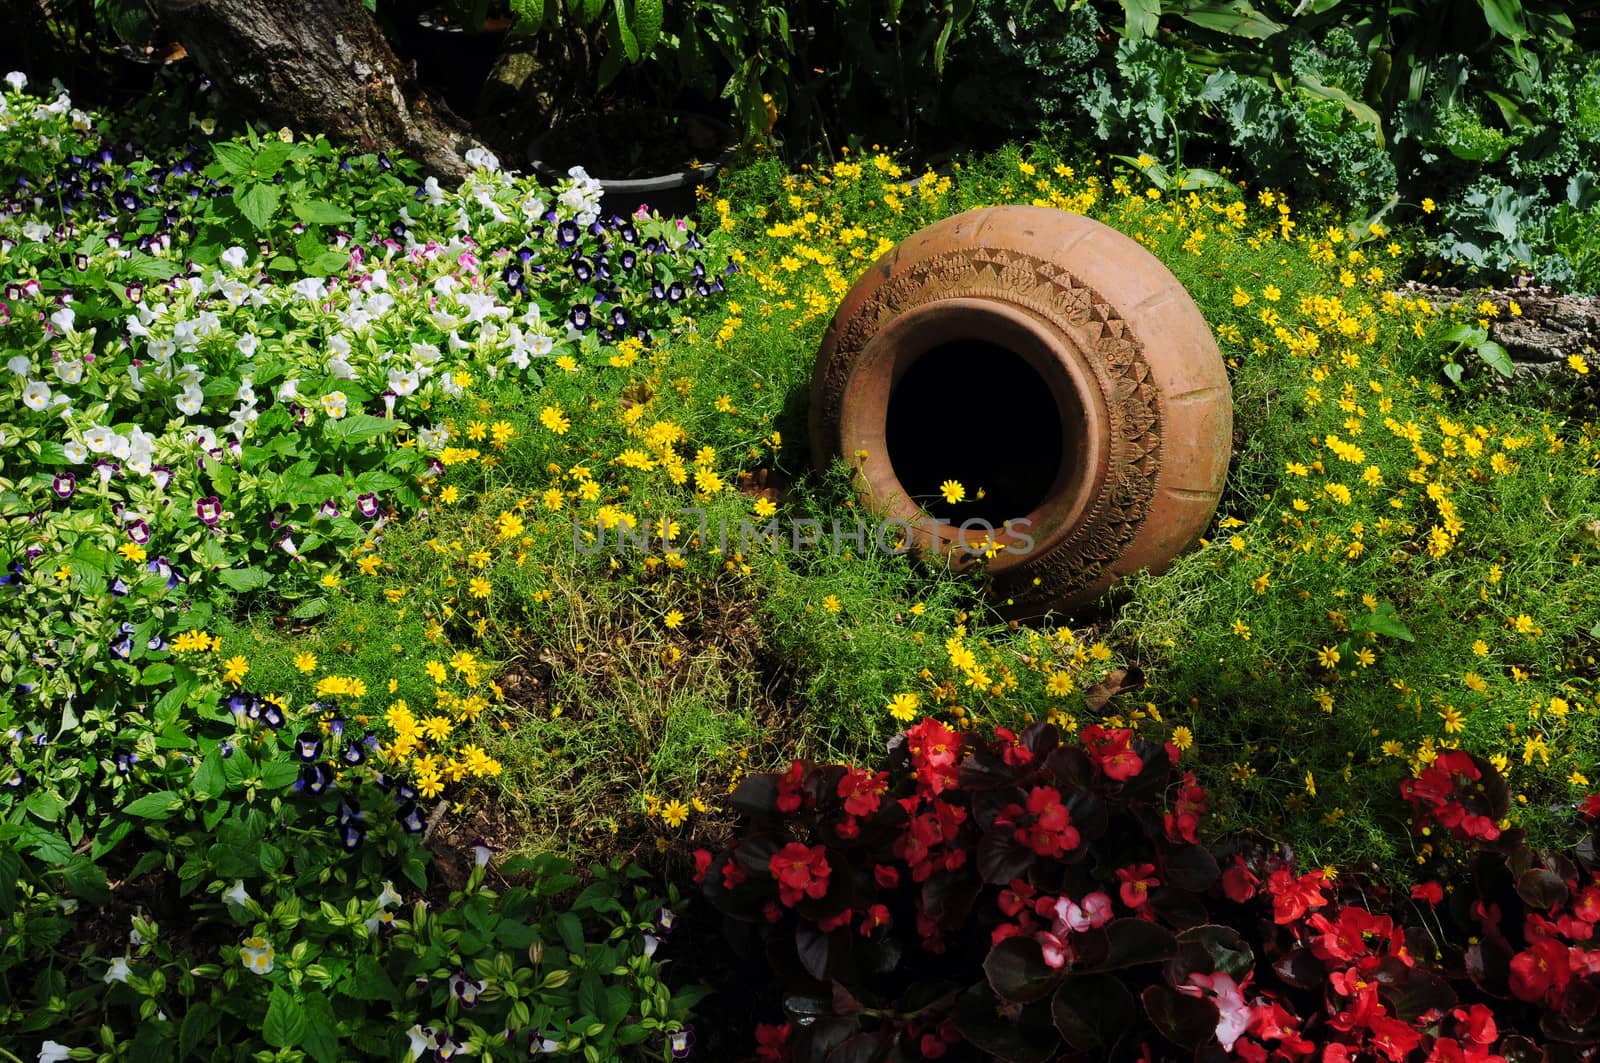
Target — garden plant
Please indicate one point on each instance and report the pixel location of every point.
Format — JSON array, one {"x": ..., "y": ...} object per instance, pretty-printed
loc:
[{"x": 422, "y": 633}]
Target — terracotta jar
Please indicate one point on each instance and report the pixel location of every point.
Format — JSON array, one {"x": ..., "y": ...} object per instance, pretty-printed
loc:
[{"x": 1050, "y": 363}]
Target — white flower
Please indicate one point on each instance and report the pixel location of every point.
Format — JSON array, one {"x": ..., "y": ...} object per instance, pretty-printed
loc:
[
  {"x": 99, "y": 438},
  {"x": 310, "y": 289},
  {"x": 75, "y": 452},
  {"x": 289, "y": 390},
  {"x": 63, "y": 319},
  {"x": 540, "y": 346},
  {"x": 421, "y": 1036},
  {"x": 70, "y": 372},
  {"x": 190, "y": 401},
  {"x": 238, "y": 894},
  {"x": 335, "y": 404},
  {"x": 431, "y": 188},
  {"x": 52, "y": 1051},
  {"x": 387, "y": 897},
  {"x": 36, "y": 396},
  {"x": 248, "y": 343},
  {"x": 433, "y": 438},
  {"x": 482, "y": 157},
  {"x": 233, "y": 258},
  {"x": 340, "y": 369},
  {"x": 121, "y": 447},
  {"x": 481, "y": 306},
  {"x": 19, "y": 364},
  {"x": 236, "y": 292},
  {"x": 118, "y": 971},
  {"x": 18, "y": 81},
  {"x": 449, "y": 384},
  {"x": 444, "y": 284},
  {"x": 256, "y": 954},
  {"x": 404, "y": 381}
]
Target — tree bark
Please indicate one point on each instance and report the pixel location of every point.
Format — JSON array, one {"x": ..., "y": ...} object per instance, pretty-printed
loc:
[{"x": 321, "y": 66}]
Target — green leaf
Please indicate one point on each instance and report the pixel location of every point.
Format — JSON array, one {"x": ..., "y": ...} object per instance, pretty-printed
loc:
[
  {"x": 625, "y": 34},
  {"x": 278, "y": 774},
  {"x": 258, "y": 203},
  {"x": 10, "y": 871},
  {"x": 1235, "y": 18},
  {"x": 1384, "y": 620},
  {"x": 321, "y": 1039},
  {"x": 285, "y": 1024},
  {"x": 647, "y": 18},
  {"x": 46, "y": 845},
  {"x": 210, "y": 780},
  {"x": 148, "y": 267},
  {"x": 153, "y": 806},
  {"x": 368, "y": 980},
  {"x": 270, "y": 159},
  {"x": 198, "y": 1021},
  {"x": 316, "y": 212},
  {"x": 359, "y": 427},
  {"x": 1497, "y": 358},
  {"x": 312, "y": 607},
  {"x": 1314, "y": 86},
  {"x": 570, "y": 927},
  {"x": 234, "y": 158},
  {"x": 87, "y": 880},
  {"x": 1141, "y": 18},
  {"x": 1504, "y": 17},
  {"x": 530, "y": 15},
  {"x": 156, "y": 674},
  {"x": 244, "y": 579},
  {"x": 1453, "y": 372}
]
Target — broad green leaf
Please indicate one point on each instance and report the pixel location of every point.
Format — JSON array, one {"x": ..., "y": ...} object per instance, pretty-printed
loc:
[
  {"x": 369, "y": 981},
  {"x": 235, "y": 158},
  {"x": 1504, "y": 17},
  {"x": 321, "y": 1039},
  {"x": 258, "y": 203},
  {"x": 530, "y": 15},
  {"x": 244, "y": 579},
  {"x": 285, "y": 1024},
  {"x": 360, "y": 426},
  {"x": 625, "y": 34},
  {"x": 148, "y": 267},
  {"x": 1236, "y": 18},
  {"x": 312, "y": 607},
  {"x": 1142, "y": 18},
  {"x": 278, "y": 774},
  {"x": 316, "y": 212},
  {"x": 210, "y": 780},
  {"x": 1497, "y": 358},
  {"x": 270, "y": 159},
  {"x": 1384, "y": 620},
  {"x": 156, "y": 805},
  {"x": 156, "y": 674},
  {"x": 86, "y": 879},
  {"x": 198, "y": 1021},
  {"x": 647, "y": 18}
]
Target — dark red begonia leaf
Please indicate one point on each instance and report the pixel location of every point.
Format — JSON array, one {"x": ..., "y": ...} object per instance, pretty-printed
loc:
[
  {"x": 1017, "y": 972},
  {"x": 1184, "y": 1020},
  {"x": 1541, "y": 889},
  {"x": 1093, "y": 1012},
  {"x": 1124, "y": 943},
  {"x": 1030, "y": 1038}
]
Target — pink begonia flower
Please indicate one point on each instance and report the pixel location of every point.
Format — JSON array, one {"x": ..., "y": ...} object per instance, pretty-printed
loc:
[{"x": 1233, "y": 1013}]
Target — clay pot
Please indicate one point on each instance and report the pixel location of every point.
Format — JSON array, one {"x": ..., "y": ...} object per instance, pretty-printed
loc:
[{"x": 1052, "y": 362}]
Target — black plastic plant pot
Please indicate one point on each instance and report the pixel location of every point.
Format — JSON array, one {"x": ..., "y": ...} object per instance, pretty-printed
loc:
[{"x": 643, "y": 157}]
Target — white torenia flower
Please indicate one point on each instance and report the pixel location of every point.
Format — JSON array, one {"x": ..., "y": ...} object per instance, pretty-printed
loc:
[
  {"x": 190, "y": 401},
  {"x": 289, "y": 390},
  {"x": 334, "y": 404},
  {"x": 70, "y": 371},
  {"x": 64, "y": 318},
  {"x": 248, "y": 343},
  {"x": 483, "y": 157},
  {"x": 54, "y": 1052},
  {"x": 256, "y": 954},
  {"x": 17, "y": 80},
  {"x": 75, "y": 451},
  {"x": 234, "y": 258},
  {"x": 98, "y": 439},
  {"x": 19, "y": 364},
  {"x": 238, "y": 894},
  {"x": 36, "y": 396},
  {"x": 404, "y": 381},
  {"x": 118, "y": 971}
]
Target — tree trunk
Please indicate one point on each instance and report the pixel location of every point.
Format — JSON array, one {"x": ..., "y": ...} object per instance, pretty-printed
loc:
[{"x": 322, "y": 66}]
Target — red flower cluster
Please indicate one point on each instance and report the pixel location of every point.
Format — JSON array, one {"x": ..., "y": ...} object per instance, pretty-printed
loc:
[
  {"x": 801, "y": 872},
  {"x": 1112, "y": 750},
  {"x": 1441, "y": 794},
  {"x": 935, "y": 752}
]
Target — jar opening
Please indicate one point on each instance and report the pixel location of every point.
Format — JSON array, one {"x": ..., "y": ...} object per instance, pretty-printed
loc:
[{"x": 979, "y": 414}]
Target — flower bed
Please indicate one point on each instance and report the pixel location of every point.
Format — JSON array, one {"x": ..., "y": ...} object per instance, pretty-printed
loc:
[
  {"x": 219, "y": 372},
  {"x": 1028, "y": 895}
]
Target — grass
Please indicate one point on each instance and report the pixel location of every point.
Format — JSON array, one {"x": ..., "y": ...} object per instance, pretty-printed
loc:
[{"x": 625, "y": 690}]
